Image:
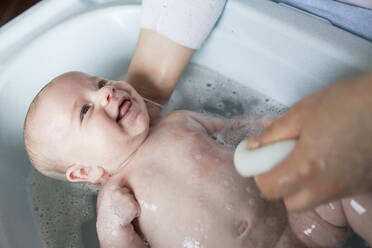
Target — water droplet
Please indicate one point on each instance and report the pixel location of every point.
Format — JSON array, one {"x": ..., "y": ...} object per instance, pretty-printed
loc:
[
  {"x": 331, "y": 206},
  {"x": 248, "y": 190},
  {"x": 357, "y": 207},
  {"x": 198, "y": 156},
  {"x": 229, "y": 206},
  {"x": 309, "y": 230}
]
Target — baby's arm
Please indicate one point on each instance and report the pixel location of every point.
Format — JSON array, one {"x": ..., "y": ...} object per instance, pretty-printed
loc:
[{"x": 116, "y": 209}]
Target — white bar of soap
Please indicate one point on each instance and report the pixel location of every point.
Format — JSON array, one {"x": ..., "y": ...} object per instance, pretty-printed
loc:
[{"x": 253, "y": 162}]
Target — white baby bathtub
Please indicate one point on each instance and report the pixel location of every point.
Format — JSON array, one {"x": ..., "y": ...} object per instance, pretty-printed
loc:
[{"x": 274, "y": 49}]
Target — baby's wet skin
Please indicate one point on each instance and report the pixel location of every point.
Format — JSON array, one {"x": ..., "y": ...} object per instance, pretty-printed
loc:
[
  {"x": 189, "y": 195},
  {"x": 180, "y": 183}
]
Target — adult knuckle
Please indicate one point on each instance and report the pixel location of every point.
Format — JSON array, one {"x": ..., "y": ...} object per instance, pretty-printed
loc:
[
  {"x": 265, "y": 189},
  {"x": 309, "y": 169}
]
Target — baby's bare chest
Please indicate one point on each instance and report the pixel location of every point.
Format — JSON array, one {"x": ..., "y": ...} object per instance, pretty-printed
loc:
[
  {"x": 194, "y": 147},
  {"x": 191, "y": 191}
]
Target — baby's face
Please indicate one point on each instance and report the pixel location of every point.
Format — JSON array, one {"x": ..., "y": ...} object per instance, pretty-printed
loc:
[{"x": 92, "y": 121}]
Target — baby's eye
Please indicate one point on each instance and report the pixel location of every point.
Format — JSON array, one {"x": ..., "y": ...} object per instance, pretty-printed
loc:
[
  {"x": 101, "y": 84},
  {"x": 84, "y": 110}
]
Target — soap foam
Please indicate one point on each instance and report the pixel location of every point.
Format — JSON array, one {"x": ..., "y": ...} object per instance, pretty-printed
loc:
[
  {"x": 205, "y": 91},
  {"x": 65, "y": 211},
  {"x": 208, "y": 92}
]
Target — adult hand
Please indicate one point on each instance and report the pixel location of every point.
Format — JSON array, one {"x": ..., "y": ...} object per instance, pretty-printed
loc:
[{"x": 333, "y": 156}]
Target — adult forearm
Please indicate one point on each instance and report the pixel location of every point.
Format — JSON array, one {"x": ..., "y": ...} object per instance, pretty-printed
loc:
[{"x": 157, "y": 65}]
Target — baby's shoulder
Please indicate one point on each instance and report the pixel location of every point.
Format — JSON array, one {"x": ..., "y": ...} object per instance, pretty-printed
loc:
[
  {"x": 177, "y": 116},
  {"x": 181, "y": 121}
]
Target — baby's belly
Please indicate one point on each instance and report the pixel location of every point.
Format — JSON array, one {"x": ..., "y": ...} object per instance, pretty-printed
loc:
[{"x": 214, "y": 209}]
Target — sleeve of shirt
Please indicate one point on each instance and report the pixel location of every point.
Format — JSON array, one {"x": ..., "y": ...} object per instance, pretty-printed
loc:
[{"x": 187, "y": 22}]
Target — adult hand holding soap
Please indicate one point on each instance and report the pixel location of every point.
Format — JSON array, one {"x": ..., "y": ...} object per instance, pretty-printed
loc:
[{"x": 257, "y": 161}]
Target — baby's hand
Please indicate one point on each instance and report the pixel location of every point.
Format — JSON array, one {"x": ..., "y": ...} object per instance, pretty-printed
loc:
[
  {"x": 117, "y": 206},
  {"x": 116, "y": 209}
]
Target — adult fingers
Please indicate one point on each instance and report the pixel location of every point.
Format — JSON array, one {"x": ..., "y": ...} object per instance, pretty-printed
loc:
[
  {"x": 310, "y": 197},
  {"x": 265, "y": 122},
  {"x": 286, "y": 127},
  {"x": 289, "y": 176}
]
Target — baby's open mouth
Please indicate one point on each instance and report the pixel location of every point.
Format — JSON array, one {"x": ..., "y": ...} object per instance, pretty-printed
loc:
[{"x": 124, "y": 106}]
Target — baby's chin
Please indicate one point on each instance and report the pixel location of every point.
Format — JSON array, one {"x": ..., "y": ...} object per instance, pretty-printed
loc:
[{"x": 142, "y": 125}]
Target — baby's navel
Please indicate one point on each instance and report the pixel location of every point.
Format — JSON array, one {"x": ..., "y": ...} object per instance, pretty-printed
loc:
[{"x": 241, "y": 228}]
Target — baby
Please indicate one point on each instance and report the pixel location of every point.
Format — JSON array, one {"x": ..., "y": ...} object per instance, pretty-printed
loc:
[{"x": 170, "y": 184}]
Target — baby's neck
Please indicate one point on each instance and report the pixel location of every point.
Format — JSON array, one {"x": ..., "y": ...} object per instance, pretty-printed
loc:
[{"x": 128, "y": 166}]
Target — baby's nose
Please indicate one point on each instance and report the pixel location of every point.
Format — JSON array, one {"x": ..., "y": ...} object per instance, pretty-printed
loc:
[{"x": 106, "y": 94}]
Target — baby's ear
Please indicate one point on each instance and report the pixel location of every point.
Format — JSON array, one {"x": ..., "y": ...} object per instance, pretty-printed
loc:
[{"x": 79, "y": 173}]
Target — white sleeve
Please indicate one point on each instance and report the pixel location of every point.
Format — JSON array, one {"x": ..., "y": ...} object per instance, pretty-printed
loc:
[{"x": 187, "y": 22}]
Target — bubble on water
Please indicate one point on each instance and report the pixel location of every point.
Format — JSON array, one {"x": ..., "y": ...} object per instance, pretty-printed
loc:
[
  {"x": 202, "y": 90},
  {"x": 61, "y": 206}
]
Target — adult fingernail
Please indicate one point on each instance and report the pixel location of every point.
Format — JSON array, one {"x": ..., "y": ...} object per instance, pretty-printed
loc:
[{"x": 253, "y": 143}]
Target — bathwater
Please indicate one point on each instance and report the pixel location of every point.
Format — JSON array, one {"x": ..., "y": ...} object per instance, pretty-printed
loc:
[{"x": 66, "y": 212}]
